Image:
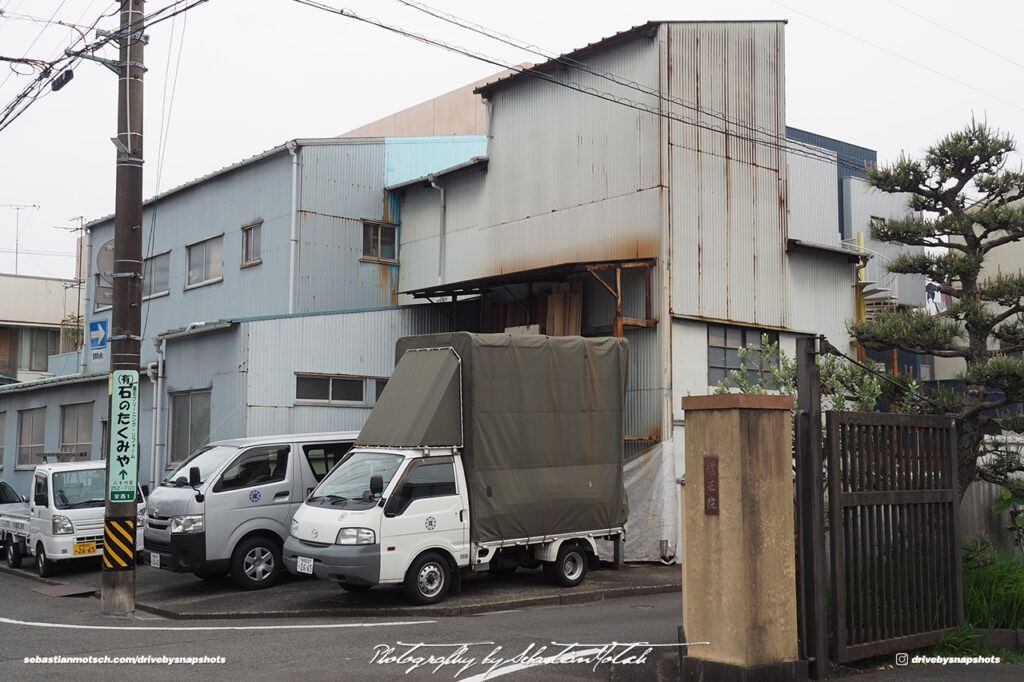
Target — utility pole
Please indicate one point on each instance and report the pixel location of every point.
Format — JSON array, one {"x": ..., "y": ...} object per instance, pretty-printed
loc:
[
  {"x": 18, "y": 208},
  {"x": 119, "y": 527}
]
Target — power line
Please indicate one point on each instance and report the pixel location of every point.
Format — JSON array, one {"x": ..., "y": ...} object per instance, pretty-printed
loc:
[
  {"x": 847, "y": 161},
  {"x": 776, "y": 143}
]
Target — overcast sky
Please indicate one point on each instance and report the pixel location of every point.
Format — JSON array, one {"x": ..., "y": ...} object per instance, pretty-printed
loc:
[{"x": 232, "y": 78}]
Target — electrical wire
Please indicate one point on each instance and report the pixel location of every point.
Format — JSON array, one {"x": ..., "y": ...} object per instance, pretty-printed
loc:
[
  {"x": 566, "y": 60},
  {"x": 775, "y": 143}
]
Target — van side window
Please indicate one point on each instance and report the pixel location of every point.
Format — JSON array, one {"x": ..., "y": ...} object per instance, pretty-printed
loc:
[
  {"x": 39, "y": 492},
  {"x": 258, "y": 466},
  {"x": 424, "y": 479},
  {"x": 323, "y": 456}
]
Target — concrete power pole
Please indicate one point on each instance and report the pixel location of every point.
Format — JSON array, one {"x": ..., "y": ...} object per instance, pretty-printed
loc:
[{"x": 120, "y": 528}]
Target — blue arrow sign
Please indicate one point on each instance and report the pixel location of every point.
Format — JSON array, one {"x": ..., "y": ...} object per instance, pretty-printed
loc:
[{"x": 97, "y": 334}]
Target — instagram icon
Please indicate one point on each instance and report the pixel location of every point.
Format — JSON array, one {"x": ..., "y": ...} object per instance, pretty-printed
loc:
[{"x": 902, "y": 659}]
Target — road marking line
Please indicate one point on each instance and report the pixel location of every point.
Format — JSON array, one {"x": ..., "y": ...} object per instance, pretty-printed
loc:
[{"x": 324, "y": 626}]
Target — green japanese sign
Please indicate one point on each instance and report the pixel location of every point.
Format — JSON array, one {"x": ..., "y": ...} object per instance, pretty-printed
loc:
[{"x": 124, "y": 436}]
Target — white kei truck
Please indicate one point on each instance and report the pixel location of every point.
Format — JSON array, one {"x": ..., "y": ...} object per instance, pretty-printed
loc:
[
  {"x": 226, "y": 508},
  {"x": 485, "y": 452},
  {"x": 63, "y": 519}
]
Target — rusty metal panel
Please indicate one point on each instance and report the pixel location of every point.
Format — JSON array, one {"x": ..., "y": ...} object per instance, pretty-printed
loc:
[
  {"x": 769, "y": 266},
  {"x": 645, "y": 392}
]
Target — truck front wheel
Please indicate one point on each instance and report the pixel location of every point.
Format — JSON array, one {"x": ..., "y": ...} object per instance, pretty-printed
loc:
[
  {"x": 43, "y": 565},
  {"x": 13, "y": 552},
  {"x": 428, "y": 579},
  {"x": 569, "y": 569}
]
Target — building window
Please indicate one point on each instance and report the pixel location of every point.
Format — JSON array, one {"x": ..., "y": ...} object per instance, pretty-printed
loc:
[
  {"x": 251, "y": 244},
  {"x": 379, "y": 242},
  {"x": 156, "y": 275},
  {"x": 724, "y": 343},
  {"x": 190, "y": 424},
  {"x": 205, "y": 262},
  {"x": 31, "y": 436},
  {"x": 341, "y": 390},
  {"x": 76, "y": 432},
  {"x": 35, "y": 348}
]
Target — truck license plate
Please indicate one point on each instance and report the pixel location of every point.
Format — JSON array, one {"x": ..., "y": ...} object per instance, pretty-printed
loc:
[
  {"x": 84, "y": 548},
  {"x": 154, "y": 560},
  {"x": 304, "y": 564}
]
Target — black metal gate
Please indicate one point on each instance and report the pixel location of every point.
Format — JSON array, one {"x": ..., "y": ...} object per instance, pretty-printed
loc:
[{"x": 894, "y": 532}]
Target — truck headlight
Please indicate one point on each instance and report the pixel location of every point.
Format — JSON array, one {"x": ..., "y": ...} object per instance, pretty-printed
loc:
[
  {"x": 187, "y": 524},
  {"x": 140, "y": 517},
  {"x": 356, "y": 536},
  {"x": 62, "y": 525}
]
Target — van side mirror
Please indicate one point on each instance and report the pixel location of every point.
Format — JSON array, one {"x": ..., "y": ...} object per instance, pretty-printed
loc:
[
  {"x": 145, "y": 490},
  {"x": 194, "y": 477},
  {"x": 376, "y": 484}
]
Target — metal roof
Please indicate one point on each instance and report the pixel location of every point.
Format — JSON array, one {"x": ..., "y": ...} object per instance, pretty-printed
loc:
[
  {"x": 288, "y": 438},
  {"x": 555, "y": 63},
  {"x": 474, "y": 161},
  {"x": 53, "y": 381}
]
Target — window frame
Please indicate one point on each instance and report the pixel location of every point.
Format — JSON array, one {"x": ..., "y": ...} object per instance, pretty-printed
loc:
[
  {"x": 748, "y": 333},
  {"x": 167, "y": 288},
  {"x": 79, "y": 445},
  {"x": 247, "y": 232},
  {"x": 377, "y": 227},
  {"x": 207, "y": 278},
  {"x": 41, "y": 445},
  {"x": 191, "y": 445},
  {"x": 27, "y": 350},
  {"x": 368, "y": 389},
  {"x": 398, "y": 503}
]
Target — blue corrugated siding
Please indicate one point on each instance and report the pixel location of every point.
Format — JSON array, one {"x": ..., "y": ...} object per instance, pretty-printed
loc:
[
  {"x": 408, "y": 158},
  {"x": 852, "y": 162}
]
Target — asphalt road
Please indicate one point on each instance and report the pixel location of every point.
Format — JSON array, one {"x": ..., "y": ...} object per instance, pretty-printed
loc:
[{"x": 518, "y": 643}]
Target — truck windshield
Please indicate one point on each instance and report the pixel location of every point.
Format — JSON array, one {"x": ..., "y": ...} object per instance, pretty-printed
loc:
[
  {"x": 209, "y": 461},
  {"x": 79, "y": 489},
  {"x": 348, "y": 484}
]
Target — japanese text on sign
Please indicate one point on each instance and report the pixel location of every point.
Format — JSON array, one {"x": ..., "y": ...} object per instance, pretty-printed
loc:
[{"x": 124, "y": 435}]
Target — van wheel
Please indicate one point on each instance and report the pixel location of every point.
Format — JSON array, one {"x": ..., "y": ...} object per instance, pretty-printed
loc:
[
  {"x": 43, "y": 565},
  {"x": 569, "y": 569},
  {"x": 428, "y": 579},
  {"x": 256, "y": 563},
  {"x": 13, "y": 552}
]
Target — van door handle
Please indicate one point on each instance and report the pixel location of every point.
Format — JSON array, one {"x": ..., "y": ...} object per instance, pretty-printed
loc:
[
  {"x": 281, "y": 495},
  {"x": 462, "y": 516}
]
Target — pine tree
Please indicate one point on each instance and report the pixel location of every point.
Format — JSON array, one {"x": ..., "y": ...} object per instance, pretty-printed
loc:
[{"x": 968, "y": 203}]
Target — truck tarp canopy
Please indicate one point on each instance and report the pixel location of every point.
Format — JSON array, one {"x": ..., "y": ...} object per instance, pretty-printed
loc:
[{"x": 543, "y": 440}]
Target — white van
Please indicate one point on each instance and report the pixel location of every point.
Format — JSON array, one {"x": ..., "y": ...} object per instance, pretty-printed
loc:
[
  {"x": 64, "y": 518},
  {"x": 228, "y": 507}
]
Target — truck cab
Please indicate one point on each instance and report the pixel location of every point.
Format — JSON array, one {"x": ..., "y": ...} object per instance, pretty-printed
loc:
[{"x": 227, "y": 508}]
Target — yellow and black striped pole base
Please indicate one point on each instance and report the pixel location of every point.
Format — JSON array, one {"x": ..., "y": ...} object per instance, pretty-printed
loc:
[{"x": 119, "y": 544}]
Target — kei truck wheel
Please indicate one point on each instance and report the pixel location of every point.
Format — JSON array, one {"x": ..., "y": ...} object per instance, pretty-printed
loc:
[
  {"x": 428, "y": 579},
  {"x": 569, "y": 569},
  {"x": 13, "y": 551},
  {"x": 44, "y": 567}
]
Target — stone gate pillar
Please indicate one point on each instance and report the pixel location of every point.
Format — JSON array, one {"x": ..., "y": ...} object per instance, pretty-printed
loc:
[{"x": 739, "y": 575}]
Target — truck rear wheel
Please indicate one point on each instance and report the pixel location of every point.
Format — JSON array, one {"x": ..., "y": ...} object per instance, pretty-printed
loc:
[
  {"x": 44, "y": 567},
  {"x": 428, "y": 579},
  {"x": 256, "y": 563},
  {"x": 569, "y": 569},
  {"x": 13, "y": 551}
]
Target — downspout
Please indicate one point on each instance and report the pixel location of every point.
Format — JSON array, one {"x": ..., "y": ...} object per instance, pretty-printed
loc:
[
  {"x": 158, "y": 390},
  {"x": 293, "y": 246},
  {"x": 441, "y": 229}
]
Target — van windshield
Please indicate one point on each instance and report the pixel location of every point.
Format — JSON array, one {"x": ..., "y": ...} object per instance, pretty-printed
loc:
[
  {"x": 209, "y": 461},
  {"x": 348, "y": 484}
]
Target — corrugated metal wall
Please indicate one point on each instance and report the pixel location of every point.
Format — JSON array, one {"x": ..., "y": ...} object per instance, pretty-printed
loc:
[
  {"x": 727, "y": 204},
  {"x": 821, "y": 295},
  {"x": 408, "y": 158},
  {"x": 359, "y": 343},
  {"x": 812, "y": 206},
  {"x": 570, "y": 178}
]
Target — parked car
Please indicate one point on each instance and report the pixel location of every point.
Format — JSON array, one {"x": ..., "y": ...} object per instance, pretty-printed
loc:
[
  {"x": 228, "y": 507},
  {"x": 10, "y": 500}
]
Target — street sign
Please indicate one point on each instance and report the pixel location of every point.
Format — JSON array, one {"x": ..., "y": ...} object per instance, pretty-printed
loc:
[
  {"x": 124, "y": 435},
  {"x": 97, "y": 334}
]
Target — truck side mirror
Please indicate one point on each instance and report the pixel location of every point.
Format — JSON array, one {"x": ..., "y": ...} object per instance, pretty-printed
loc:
[
  {"x": 193, "y": 476},
  {"x": 24, "y": 499},
  {"x": 376, "y": 484}
]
